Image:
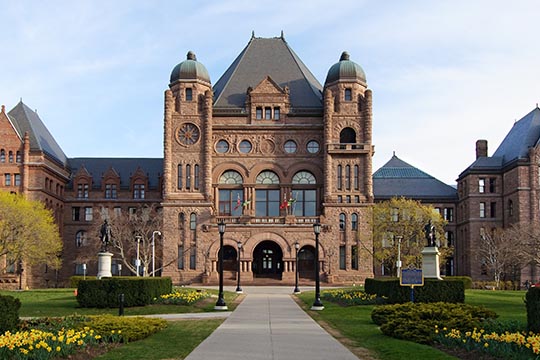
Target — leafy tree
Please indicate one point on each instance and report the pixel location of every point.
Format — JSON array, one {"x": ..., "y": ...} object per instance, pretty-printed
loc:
[
  {"x": 27, "y": 232},
  {"x": 125, "y": 229},
  {"x": 404, "y": 219}
]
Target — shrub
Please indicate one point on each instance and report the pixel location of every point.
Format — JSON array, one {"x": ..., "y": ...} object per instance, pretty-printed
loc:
[
  {"x": 467, "y": 280},
  {"x": 451, "y": 291},
  {"x": 74, "y": 280},
  {"x": 9, "y": 313},
  {"x": 138, "y": 291},
  {"x": 348, "y": 297},
  {"x": 532, "y": 301},
  {"x": 124, "y": 329},
  {"x": 415, "y": 322}
]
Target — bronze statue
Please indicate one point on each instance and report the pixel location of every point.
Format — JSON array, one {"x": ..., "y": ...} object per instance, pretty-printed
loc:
[
  {"x": 105, "y": 235},
  {"x": 429, "y": 232}
]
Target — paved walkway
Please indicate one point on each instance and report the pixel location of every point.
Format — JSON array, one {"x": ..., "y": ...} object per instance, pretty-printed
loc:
[{"x": 268, "y": 324}]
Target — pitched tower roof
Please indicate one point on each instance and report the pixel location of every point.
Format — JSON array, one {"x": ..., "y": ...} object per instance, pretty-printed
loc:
[
  {"x": 397, "y": 178},
  {"x": 26, "y": 120},
  {"x": 264, "y": 57}
]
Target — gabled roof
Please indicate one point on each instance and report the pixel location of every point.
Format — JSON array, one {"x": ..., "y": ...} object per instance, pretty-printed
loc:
[
  {"x": 524, "y": 134},
  {"x": 125, "y": 167},
  {"x": 267, "y": 57},
  {"x": 26, "y": 120},
  {"x": 397, "y": 178}
]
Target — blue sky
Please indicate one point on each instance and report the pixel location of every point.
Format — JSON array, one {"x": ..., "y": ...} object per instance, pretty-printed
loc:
[{"x": 443, "y": 73}]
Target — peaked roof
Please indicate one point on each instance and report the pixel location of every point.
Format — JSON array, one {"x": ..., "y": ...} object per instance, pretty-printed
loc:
[
  {"x": 524, "y": 134},
  {"x": 267, "y": 57},
  {"x": 125, "y": 167},
  {"x": 397, "y": 178},
  {"x": 26, "y": 120}
]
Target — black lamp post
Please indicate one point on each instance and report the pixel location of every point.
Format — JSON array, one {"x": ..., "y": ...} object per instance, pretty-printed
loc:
[
  {"x": 20, "y": 273},
  {"x": 238, "y": 288},
  {"x": 220, "y": 304},
  {"x": 317, "y": 304},
  {"x": 296, "y": 289}
]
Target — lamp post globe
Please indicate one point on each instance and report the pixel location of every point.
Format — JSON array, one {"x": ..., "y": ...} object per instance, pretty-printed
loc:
[
  {"x": 296, "y": 289},
  {"x": 238, "y": 288},
  {"x": 220, "y": 304},
  {"x": 317, "y": 304}
]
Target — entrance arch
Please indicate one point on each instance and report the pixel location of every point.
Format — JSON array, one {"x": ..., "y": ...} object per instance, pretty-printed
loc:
[
  {"x": 267, "y": 260},
  {"x": 230, "y": 258},
  {"x": 306, "y": 262}
]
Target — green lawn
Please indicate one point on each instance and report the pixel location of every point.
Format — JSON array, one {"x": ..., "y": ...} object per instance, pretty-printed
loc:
[
  {"x": 175, "y": 342},
  {"x": 62, "y": 302},
  {"x": 509, "y": 305}
]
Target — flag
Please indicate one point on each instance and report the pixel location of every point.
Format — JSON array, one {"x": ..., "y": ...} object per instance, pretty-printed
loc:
[
  {"x": 246, "y": 203},
  {"x": 291, "y": 201},
  {"x": 238, "y": 202},
  {"x": 285, "y": 203}
]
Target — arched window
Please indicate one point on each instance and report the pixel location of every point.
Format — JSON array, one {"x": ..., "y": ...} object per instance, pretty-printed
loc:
[
  {"x": 18, "y": 157},
  {"x": 348, "y": 177},
  {"x": 347, "y": 136},
  {"x": 267, "y": 177},
  {"x": 231, "y": 177},
  {"x": 188, "y": 177},
  {"x": 342, "y": 222},
  {"x": 231, "y": 198},
  {"x": 180, "y": 179},
  {"x": 193, "y": 221},
  {"x": 196, "y": 177},
  {"x": 267, "y": 199},
  {"x": 304, "y": 196},
  {"x": 11, "y": 156},
  {"x": 80, "y": 238},
  {"x": 354, "y": 221},
  {"x": 3, "y": 155}
]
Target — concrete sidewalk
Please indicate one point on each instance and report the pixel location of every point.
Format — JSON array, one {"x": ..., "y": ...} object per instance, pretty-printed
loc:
[{"x": 268, "y": 324}]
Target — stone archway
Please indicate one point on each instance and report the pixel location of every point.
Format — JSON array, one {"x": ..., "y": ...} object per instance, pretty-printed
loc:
[{"x": 267, "y": 260}]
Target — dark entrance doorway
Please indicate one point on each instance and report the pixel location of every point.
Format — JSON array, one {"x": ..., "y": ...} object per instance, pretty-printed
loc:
[
  {"x": 230, "y": 258},
  {"x": 306, "y": 262},
  {"x": 267, "y": 260}
]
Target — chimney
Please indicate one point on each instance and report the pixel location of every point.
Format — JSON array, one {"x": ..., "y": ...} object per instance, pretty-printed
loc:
[{"x": 481, "y": 148}]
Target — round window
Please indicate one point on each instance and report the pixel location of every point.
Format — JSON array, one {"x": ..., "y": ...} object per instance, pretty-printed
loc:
[
  {"x": 222, "y": 146},
  {"x": 290, "y": 147},
  {"x": 245, "y": 146},
  {"x": 313, "y": 147}
]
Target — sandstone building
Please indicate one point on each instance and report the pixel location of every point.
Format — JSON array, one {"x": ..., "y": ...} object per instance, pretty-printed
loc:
[{"x": 269, "y": 151}]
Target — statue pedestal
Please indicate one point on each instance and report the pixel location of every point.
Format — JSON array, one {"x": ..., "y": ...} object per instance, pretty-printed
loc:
[
  {"x": 430, "y": 263},
  {"x": 104, "y": 265}
]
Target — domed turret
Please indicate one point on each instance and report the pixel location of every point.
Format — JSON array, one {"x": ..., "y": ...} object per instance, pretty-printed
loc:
[
  {"x": 346, "y": 70},
  {"x": 190, "y": 69}
]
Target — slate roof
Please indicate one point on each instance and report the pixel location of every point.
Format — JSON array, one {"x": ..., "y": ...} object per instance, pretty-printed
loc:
[
  {"x": 397, "y": 178},
  {"x": 267, "y": 57},
  {"x": 25, "y": 120},
  {"x": 524, "y": 134},
  {"x": 125, "y": 167}
]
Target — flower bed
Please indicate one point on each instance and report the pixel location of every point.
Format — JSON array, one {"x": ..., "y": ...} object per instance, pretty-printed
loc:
[
  {"x": 349, "y": 297},
  {"x": 182, "y": 297},
  {"x": 516, "y": 345}
]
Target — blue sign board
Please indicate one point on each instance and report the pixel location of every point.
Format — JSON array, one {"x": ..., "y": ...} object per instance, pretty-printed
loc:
[{"x": 411, "y": 277}]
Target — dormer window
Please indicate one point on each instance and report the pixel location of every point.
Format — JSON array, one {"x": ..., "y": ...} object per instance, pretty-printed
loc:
[
  {"x": 348, "y": 94},
  {"x": 110, "y": 191},
  {"x": 268, "y": 113},
  {"x": 189, "y": 94},
  {"x": 276, "y": 113},
  {"x": 258, "y": 113}
]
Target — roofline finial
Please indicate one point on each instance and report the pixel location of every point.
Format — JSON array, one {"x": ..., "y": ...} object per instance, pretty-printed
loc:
[
  {"x": 394, "y": 153},
  {"x": 252, "y": 34},
  {"x": 282, "y": 36},
  {"x": 3, "y": 108}
]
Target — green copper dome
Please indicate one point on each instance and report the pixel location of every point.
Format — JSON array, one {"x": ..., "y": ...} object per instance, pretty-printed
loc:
[
  {"x": 190, "y": 69},
  {"x": 345, "y": 69}
]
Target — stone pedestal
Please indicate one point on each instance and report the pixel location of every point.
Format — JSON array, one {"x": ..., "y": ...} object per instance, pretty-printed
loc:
[
  {"x": 104, "y": 264},
  {"x": 430, "y": 263}
]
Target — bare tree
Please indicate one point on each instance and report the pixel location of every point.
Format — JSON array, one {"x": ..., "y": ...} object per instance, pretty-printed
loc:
[
  {"x": 133, "y": 234},
  {"x": 500, "y": 250}
]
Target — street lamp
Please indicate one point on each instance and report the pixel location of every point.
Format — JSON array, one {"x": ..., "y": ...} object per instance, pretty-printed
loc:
[
  {"x": 220, "y": 304},
  {"x": 138, "y": 260},
  {"x": 238, "y": 288},
  {"x": 296, "y": 289},
  {"x": 20, "y": 273},
  {"x": 154, "y": 251},
  {"x": 398, "y": 262},
  {"x": 119, "y": 266},
  {"x": 317, "y": 304},
  {"x": 84, "y": 271}
]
